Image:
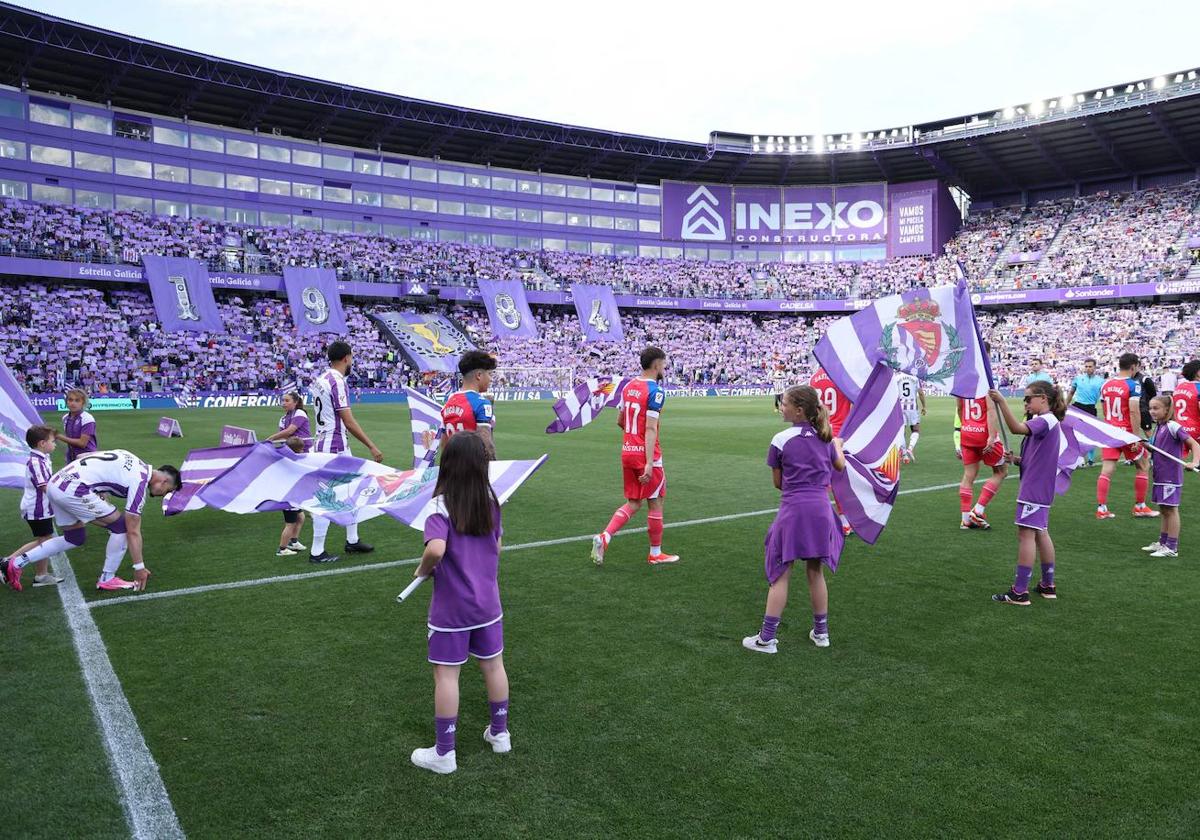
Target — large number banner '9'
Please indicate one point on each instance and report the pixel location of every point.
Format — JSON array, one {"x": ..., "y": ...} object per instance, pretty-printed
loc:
[{"x": 316, "y": 304}]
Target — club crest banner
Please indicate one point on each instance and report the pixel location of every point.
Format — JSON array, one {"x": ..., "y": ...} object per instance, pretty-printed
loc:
[
  {"x": 183, "y": 298},
  {"x": 507, "y": 309},
  {"x": 599, "y": 317},
  {"x": 315, "y": 301},
  {"x": 431, "y": 342}
]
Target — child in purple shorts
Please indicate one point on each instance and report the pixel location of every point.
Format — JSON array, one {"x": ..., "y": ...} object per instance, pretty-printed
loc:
[
  {"x": 1040, "y": 452},
  {"x": 1172, "y": 438},
  {"x": 462, "y": 553}
]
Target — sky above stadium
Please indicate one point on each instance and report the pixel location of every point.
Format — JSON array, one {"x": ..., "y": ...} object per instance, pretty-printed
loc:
[{"x": 679, "y": 70}]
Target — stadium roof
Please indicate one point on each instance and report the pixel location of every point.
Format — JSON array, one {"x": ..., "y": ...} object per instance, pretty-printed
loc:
[{"x": 1108, "y": 133}]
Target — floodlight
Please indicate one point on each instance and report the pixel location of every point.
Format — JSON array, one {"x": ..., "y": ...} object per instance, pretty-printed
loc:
[
  {"x": 1067, "y": 101},
  {"x": 1159, "y": 83},
  {"x": 1036, "y": 108},
  {"x": 1009, "y": 112}
]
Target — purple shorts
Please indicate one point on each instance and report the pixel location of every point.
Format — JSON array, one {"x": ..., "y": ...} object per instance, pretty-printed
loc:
[
  {"x": 1033, "y": 516},
  {"x": 1166, "y": 494},
  {"x": 450, "y": 647}
]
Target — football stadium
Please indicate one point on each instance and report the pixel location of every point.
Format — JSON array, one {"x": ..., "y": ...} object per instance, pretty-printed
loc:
[{"x": 308, "y": 462}]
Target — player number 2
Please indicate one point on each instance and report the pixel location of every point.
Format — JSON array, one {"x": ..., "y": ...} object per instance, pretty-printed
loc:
[
  {"x": 1181, "y": 414},
  {"x": 632, "y": 410},
  {"x": 320, "y": 404}
]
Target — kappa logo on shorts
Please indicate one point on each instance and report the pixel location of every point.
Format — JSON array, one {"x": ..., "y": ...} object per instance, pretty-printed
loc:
[
  {"x": 1029, "y": 510},
  {"x": 1168, "y": 491}
]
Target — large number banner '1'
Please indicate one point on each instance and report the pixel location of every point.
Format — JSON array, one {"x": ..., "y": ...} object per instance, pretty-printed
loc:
[
  {"x": 182, "y": 296},
  {"x": 599, "y": 317},
  {"x": 507, "y": 308},
  {"x": 315, "y": 301}
]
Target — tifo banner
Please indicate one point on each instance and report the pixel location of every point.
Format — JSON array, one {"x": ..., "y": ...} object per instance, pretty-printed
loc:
[
  {"x": 315, "y": 301},
  {"x": 431, "y": 342},
  {"x": 17, "y": 414},
  {"x": 599, "y": 317},
  {"x": 911, "y": 218},
  {"x": 169, "y": 427},
  {"x": 237, "y": 436},
  {"x": 182, "y": 295},
  {"x": 507, "y": 309}
]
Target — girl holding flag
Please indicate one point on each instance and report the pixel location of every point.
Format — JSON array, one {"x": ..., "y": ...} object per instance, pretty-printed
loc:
[
  {"x": 802, "y": 459},
  {"x": 1039, "y": 459},
  {"x": 1170, "y": 438}
]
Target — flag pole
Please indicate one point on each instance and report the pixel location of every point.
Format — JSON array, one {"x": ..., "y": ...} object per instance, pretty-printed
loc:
[
  {"x": 411, "y": 588},
  {"x": 986, "y": 355},
  {"x": 1169, "y": 456}
]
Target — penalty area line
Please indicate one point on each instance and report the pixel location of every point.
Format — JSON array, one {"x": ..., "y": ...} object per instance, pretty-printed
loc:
[{"x": 412, "y": 561}]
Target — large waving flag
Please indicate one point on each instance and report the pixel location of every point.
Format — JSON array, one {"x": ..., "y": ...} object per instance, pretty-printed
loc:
[
  {"x": 871, "y": 440},
  {"x": 581, "y": 405},
  {"x": 1091, "y": 431},
  {"x": 199, "y": 468},
  {"x": 17, "y": 414},
  {"x": 426, "y": 427},
  {"x": 929, "y": 333},
  {"x": 340, "y": 487}
]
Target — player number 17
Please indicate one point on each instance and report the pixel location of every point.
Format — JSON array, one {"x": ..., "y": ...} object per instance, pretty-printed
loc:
[{"x": 632, "y": 410}]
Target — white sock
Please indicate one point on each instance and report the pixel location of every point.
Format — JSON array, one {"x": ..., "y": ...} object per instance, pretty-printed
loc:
[
  {"x": 980, "y": 510},
  {"x": 48, "y": 548},
  {"x": 655, "y": 550},
  {"x": 320, "y": 529},
  {"x": 912, "y": 441},
  {"x": 966, "y": 517},
  {"x": 114, "y": 553},
  {"x": 352, "y": 533}
]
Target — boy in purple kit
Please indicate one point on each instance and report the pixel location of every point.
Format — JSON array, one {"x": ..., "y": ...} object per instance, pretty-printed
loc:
[
  {"x": 802, "y": 459},
  {"x": 1167, "y": 475},
  {"x": 1039, "y": 471},
  {"x": 35, "y": 506},
  {"x": 79, "y": 426},
  {"x": 462, "y": 553}
]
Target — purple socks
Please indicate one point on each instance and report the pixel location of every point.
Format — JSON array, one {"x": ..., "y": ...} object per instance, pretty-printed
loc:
[
  {"x": 444, "y": 727},
  {"x": 1021, "y": 581},
  {"x": 499, "y": 716},
  {"x": 820, "y": 624},
  {"x": 1171, "y": 543},
  {"x": 1047, "y": 574},
  {"x": 770, "y": 625}
]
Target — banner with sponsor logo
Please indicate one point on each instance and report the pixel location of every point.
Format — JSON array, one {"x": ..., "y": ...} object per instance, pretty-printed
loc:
[
  {"x": 237, "y": 436},
  {"x": 599, "y": 317},
  {"x": 169, "y": 427},
  {"x": 431, "y": 342},
  {"x": 316, "y": 304},
  {"x": 183, "y": 298},
  {"x": 507, "y": 309}
]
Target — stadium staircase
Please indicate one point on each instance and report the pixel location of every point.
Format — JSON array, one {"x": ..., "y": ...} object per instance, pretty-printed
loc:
[{"x": 1056, "y": 244}]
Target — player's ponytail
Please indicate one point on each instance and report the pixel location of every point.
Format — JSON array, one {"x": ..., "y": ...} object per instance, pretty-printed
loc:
[
  {"x": 1053, "y": 395},
  {"x": 464, "y": 486},
  {"x": 805, "y": 399}
]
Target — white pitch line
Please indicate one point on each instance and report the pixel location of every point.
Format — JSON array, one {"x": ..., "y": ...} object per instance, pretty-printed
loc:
[
  {"x": 391, "y": 564},
  {"x": 144, "y": 798}
]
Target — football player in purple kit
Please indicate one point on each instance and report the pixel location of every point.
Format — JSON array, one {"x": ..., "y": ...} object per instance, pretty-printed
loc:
[
  {"x": 468, "y": 410},
  {"x": 1045, "y": 407},
  {"x": 462, "y": 554},
  {"x": 79, "y": 426}
]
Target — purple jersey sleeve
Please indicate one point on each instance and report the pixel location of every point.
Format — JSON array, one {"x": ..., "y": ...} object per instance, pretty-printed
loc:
[
  {"x": 1037, "y": 426},
  {"x": 437, "y": 527},
  {"x": 138, "y": 491},
  {"x": 774, "y": 457},
  {"x": 340, "y": 395}
]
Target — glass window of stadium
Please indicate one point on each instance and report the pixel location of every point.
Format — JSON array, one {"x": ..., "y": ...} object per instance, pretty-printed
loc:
[
  {"x": 94, "y": 198},
  {"x": 504, "y": 240},
  {"x": 478, "y": 239},
  {"x": 131, "y": 129},
  {"x": 820, "y": 256},
  {"x": 671, "y": 252},
  {"x": 424, "y": 205},
  {"x": 649, "y": 199},
  {"x": 208, "y": 211},
  {"x": 554, "y": 190},
  {"x": 398, "y": 231},
  {"x": 134, "y": 168},
  {"x": 242, "y": 148},
  {"x": 578, "y": 247},
  {"x": 395, "y": 170},
  {"x": 529, "y": 216},
  {"x": 424, "y": 234},
  {"x": 93, "y": 163},
  {"x": 504, "y": 214},
  {"x": 554, "y": 217},
  {"x": 12, "y": 149},
  {"x": 95, "y": 123},
  {"x": 339, "y": 225},
  {"x": 241, "y": 216},
  {"x": 602, "y": 248},
  {"x": 170, "y": 136},
  {"x": 649, "y": 225},
  {"x": 275, "y": 154},
  {"x": 51, "y": 195},
  {"x": 170, "y": 207},
  {"x": 11, "y": 108},
  {"x": 653, "y": 252},
  {"x": 602, "y": 194},
  {"x": 554, "y": 244},
  {"x": 13, "y": 189},
  {"x": 533, "y": 243},
  {"x": 578, "y": 220},
  {"x": 304, "y": 157},
  {"x": 479, "y": 211},
  {"x": 529, "y": 187},
  {"x": 245, "y": 183},
  {"x": 622, "y": 223},
  {"x": 695, "y": 253},
  {"x": 719, "y": 254},
  {"x": 450, "y": 208},
  {"x": 793, "y": 256},
  {"x": 424, "y": 174},
  {"x": 135, "y": 202},
  {"x": 50, "y": 155},
  {"x": 339, "y": 162},
  {"x": 208, "y": 143},
  {"x": 208, "y": 178},
  {"x": 625, "y": 196},
  {"x": 504, "y": 184},
  {"x": 271, "y": 186},
  {"x": 306, "y": 222},
  {"x": 450, "y": 178},
  {"x": 626, "y": 250},
  {"x": 368, "y": 199},
  {"x": 604, "y": 222},
  {"x": 366, "y": 166},
  {"x": 171, "y": 172},
  {"x": 575, "y": 191},
  {"x": 49, "y": 115},
  {"x": 451, "y": 236},
  {"x": 339, "y": 194},
  {"x": 309, "y": 191},
  {"x": 478, "y": 182},
  {"x": 747, "y": 256},
  {"x": 396, "y": 202},
  {"x": 367, "y": 228}
]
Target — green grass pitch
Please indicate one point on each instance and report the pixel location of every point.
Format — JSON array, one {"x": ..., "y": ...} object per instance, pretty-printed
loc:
[{"x": 290, "y": 709}]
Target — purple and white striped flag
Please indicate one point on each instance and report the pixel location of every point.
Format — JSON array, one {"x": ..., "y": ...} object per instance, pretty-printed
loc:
[
  {"x": 199, "y": 468},
  {"x": 929, "y": 333},
  {"x": 872, "y": 439},
  {"x": 426, "y": 427},
  {"x": 587, "y": 399},
  {"x": 1091, "y": 431},
  {"x": 17, "y": 414},
  {"x": 340, "y": 487}
]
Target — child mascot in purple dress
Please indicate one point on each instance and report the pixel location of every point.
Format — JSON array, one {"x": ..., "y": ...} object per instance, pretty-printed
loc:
[
  {"x": 462, "y": 553},
  {"x": 802, "y": 458}
]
